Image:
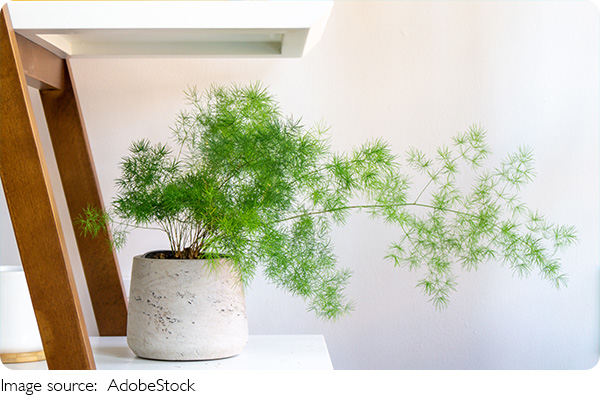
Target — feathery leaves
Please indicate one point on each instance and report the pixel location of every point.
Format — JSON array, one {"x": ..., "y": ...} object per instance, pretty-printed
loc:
[{"x": 261, "y": 188}]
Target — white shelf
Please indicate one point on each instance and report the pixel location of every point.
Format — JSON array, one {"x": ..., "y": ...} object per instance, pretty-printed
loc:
[
  {"x": 172, "y": 28},
  {"x": 263, "y": 352}
]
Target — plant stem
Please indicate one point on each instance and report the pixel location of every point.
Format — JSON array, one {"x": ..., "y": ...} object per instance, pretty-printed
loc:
[
  {"x": 371, "y": 206},
  {"x": 239, "y": 167},
  {"x": 140, "y": 227},
  {"x": 434, "y": 176},
  {"x": 426, "y": 186}
]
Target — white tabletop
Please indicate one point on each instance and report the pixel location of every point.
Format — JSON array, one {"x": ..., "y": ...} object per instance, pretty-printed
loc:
[{"x": 263, "y": 352}]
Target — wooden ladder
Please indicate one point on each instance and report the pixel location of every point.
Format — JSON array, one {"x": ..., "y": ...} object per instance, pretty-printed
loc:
[{"x": 32, "y": 205}]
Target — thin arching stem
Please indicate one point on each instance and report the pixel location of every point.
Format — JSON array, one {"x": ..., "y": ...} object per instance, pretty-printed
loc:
[{"x": 367, "y": 206}]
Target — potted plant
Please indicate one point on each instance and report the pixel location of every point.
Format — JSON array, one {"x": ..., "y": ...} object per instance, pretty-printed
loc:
[{"x": 247, "y": 187}]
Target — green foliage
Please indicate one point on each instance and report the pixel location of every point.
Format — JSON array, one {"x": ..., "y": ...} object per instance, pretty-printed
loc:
[{"x": 247, "y": 182}]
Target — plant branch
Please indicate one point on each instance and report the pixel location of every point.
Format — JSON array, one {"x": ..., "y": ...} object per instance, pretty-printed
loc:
[{"x": 366, "y": 206}]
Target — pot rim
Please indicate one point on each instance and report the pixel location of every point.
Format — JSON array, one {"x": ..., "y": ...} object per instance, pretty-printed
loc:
[{"x": 144, "y": 256}]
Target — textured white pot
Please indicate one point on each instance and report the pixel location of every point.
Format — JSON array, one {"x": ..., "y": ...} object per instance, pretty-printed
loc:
[{"x": 183, "y": 310}]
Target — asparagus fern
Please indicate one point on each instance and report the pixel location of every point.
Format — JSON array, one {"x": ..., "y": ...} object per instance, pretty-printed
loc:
[{"x": 246, "y": 181}]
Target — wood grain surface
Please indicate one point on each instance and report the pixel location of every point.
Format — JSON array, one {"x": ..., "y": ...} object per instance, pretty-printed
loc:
[{"x": 35, "y": 219}]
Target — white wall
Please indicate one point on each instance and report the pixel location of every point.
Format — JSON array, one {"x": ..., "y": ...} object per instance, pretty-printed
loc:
[{"x": 415, "y": 74}]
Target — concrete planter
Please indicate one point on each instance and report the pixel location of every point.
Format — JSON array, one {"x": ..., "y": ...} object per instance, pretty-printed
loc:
[{"x": 181, "y": 310}]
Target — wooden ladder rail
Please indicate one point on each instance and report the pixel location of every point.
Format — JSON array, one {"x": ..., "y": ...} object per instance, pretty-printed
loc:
[{"x": 32, "y": 205}]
